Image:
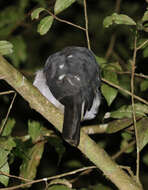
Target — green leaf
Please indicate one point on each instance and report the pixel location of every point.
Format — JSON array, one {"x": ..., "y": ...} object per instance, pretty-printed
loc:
[
  {"x": 5, "y": 47},
  {"x": 21, "y": 148},
  {"x": 118, "y": 19},
  {"x": 117, "y": 125},
  {"x": 126, "y": 111},
  {"x": 20, "y": 50},
  {"x": 8, "y": 127},
  {"x": 45, "y": 25},
  {"x": 34, "y": 130},
  {"x": 37, "y": 132},
  {"x": 145, "y": 17},
  {"x": 4, "y": 179},
  {"x": 3, "y": 156},
  {"x": 61, "y": 5},
  {"x": 126, "y": 136},
  {"x": 145, "y": 52},
  {"x": 142, "y": 131},
  {"x": 4, "y": 167},
  {"x": 6, "y": 145},
  {"x": 101, "y": 61},
  {"x": 115, "y": 66},
  {"x": 124, "y": 82},
  {"x": 61, "y": 187},
  {"x": 30, "y": 163},
  {"x": 109, "y": 92},
  {"x": 107, "y": 21},
  {"x": 61, "y": 182},
  {"x": 35, "y": 14}
]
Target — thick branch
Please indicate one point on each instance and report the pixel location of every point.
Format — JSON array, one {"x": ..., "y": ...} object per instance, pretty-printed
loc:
[{"x": 93, "y": 152}]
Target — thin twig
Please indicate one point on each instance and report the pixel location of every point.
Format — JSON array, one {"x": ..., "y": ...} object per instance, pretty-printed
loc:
[
  {"x": 65, "y": 21},
  {"x": 13, "y": 176},
  {"x": 133, "y": 64},
  {"x": 7, "y": 92},
  {"x": 48, "y": 178},
  {"x": 95, "y": 129},
  {"x": 6, "y": 118},
  {"x": 86, "y": 24},
  {"x": 124, "y": 90},
  {"x": 128, "y": 170},
  {"x": 136, "y": 74},
  {"x": 144, "y": 43}
]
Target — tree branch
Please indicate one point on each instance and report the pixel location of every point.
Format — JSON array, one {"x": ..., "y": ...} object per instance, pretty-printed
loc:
[
  {"x": 86, "y": 24},
  {"x": 133, "y": 64},
  {"x": 87, "y": 146}
]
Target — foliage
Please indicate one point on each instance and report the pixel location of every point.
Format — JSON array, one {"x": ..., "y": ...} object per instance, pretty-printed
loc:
[
  {"x": 5, "y": 47},
  {"x": 118, "y": 19},
  {"x": 26, "y": 136}
]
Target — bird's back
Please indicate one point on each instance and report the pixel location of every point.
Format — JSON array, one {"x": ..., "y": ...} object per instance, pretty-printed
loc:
[{"x": 73, "y": 71}]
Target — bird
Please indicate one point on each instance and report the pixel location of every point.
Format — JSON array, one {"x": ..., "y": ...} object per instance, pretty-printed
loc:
[{"x": 71, "y": 81}]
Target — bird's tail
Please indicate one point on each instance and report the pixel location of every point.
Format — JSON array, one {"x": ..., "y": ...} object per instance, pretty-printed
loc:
[{"x": 72, "y": 119}]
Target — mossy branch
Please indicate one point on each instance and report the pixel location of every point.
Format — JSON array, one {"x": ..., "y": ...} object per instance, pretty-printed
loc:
[{"x": 87, "y": 146}]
